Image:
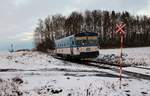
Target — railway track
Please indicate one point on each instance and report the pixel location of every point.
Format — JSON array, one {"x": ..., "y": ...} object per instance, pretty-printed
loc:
[
  {"x": 110, "y": 66},
  {"x": 134, "y": 74},
  {"x": 143, "y": 68}
]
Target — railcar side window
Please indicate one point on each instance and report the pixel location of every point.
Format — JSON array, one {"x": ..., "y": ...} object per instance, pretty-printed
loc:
[{"x": 72, "y": 42}]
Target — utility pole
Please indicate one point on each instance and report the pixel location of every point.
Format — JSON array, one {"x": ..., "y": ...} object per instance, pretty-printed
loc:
[{"x": 11, "y": 49}]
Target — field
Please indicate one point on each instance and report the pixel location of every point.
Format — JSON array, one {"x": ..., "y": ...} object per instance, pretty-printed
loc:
[{"x": 37, "y": 74}]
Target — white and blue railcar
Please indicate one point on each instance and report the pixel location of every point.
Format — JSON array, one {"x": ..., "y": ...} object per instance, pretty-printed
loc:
[{"x": 81, "y": 45}]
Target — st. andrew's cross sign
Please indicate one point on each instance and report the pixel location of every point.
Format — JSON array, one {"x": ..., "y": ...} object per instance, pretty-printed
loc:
[{"x": 120, "y": 29}]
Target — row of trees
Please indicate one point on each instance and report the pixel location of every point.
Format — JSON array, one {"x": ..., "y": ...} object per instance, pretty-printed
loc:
[{"x": 102, "y": 22}]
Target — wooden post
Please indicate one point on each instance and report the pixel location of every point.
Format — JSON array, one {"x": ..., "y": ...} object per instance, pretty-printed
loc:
[{"x": 121, "y": 59}]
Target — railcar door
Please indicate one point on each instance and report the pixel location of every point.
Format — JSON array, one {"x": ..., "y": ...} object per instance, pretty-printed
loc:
[{"x": 71, "y": 46}]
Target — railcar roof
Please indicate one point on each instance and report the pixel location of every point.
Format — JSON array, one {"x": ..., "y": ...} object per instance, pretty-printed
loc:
[
  {"x": 86, "y": 34},
  {"x": 79, "y": 34},
  {"x": 65, "y": 38}
]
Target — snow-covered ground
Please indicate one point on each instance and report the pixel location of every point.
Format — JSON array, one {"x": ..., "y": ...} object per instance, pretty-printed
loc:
[
  {"x": 134, "y": 56},
  {"x": 39, "y": 74}
]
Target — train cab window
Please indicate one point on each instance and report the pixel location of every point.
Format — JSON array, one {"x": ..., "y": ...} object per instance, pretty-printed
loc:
[
  {"x": 92, "y": 41},
  {"x": 82, "y": 42}
]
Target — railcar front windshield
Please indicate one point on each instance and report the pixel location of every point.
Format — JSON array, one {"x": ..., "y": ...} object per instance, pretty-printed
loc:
[{"x": 87, "y": 40}]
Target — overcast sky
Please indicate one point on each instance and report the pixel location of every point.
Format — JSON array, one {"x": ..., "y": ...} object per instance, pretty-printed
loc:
[{"x": 18, "y": 18}]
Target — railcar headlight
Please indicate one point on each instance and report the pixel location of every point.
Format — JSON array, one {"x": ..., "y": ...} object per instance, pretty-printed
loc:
[
  {"x": 96, "y": 48},
  {"x": 88, "y": 49}
]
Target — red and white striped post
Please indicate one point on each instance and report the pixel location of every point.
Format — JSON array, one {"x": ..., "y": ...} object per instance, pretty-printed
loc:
[{"x": 121, "y": 32}]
